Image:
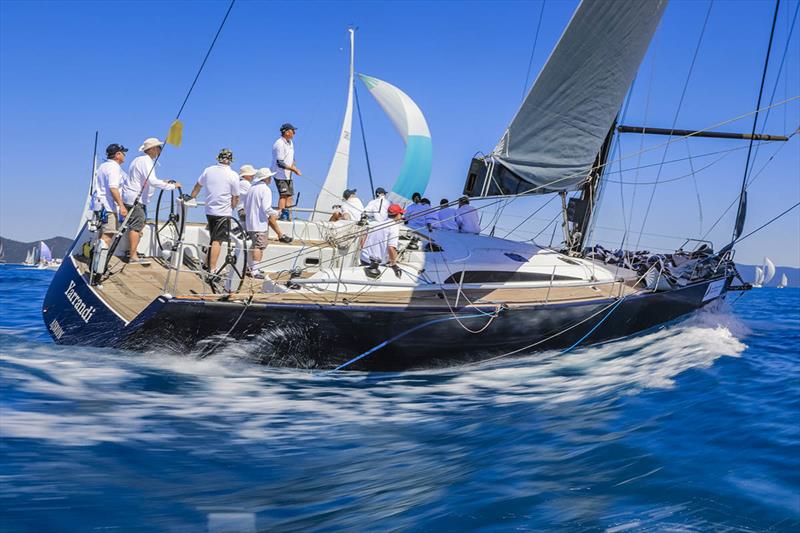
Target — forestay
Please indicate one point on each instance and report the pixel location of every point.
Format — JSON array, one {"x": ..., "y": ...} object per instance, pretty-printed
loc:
[
  {"x": 336, "y": 180},
  {"x": 558, "y": 131},
  {"x": 410, "y": 123}
]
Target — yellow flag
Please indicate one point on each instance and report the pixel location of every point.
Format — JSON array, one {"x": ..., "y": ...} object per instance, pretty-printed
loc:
[{"x": 175, "y": 135}]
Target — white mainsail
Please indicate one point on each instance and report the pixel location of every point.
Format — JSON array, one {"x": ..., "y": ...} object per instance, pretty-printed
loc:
[
  {"x": 29, "y": 257},
  {"x": 552, "y": 142},
  {"x": 759, "y": 281},
  {"x": 410, "y": 123},
  {"x": 769, "y": 270},
  {"x": 336, "y": 180},
  {"x": 784, "y": 281}
]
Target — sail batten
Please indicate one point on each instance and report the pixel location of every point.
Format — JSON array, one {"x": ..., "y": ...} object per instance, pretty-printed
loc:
[{"x": 559, "y": 129}]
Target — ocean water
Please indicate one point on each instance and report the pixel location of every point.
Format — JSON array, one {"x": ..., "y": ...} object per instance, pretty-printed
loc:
[{"x": 694, "y": 427}]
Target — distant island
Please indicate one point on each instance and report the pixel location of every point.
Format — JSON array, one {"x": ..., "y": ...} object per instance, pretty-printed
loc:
[{"x": 16, "y": 251}]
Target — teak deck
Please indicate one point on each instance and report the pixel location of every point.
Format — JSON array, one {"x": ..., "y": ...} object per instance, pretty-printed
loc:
[{"x": 132, "y": 287}]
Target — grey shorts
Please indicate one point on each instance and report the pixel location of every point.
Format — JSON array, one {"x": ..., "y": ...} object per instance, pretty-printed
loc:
[
  {"x": 110, "y": 226},
  {"x": 259, "y": 239},
  {"x": 137, "y": 215},
  {"x": 285, "y": 188}
]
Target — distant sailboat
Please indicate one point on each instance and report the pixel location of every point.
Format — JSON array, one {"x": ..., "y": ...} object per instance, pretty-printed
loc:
[
  {"x": 44, "y": 256},
  {"x": 784, "y": 281},
  {"x": 2, "y": 254},
  {"x": 769, "y": 270},
  {"x": 759, "y": 280},
  {"x": 29, "y": 259}
]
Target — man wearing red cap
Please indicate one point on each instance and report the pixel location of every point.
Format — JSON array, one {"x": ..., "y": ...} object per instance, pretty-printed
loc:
[{"x": 383, "y": 240}]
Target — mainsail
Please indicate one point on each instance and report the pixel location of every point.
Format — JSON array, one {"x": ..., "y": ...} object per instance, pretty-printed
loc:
[
  {"x": 29, "y": 257},
  {"x": 558, "y": 131},
  {"x": 336, "y": 180},
  {"x": 410, "y": 123},
  {"x": 784, "y": 282},
  {"x": 769, "y": 270},
  {"x": 759, "y": 281},
  {"x": 45, "y": 255}
]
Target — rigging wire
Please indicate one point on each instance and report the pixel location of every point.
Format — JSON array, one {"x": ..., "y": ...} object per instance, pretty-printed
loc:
[
  {"x": 742, "y": 198},
  {"x": 533, "y": 50},
  {"x": 675, "y": 118},
  {"x": 773, "y": 219},
  {"x": 364, "y": 140}
]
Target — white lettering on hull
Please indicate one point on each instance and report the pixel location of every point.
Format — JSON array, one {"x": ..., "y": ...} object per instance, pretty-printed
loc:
[
  {"x": 84, "y": 311},
  {"x": 714, "y": 289}
]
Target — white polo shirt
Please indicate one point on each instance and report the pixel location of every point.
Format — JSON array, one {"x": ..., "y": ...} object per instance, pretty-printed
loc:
[
  {"x": 447, "y": 219},
  {"x": 221, "y": 184},
  {"x": 283, "y": 151},
  {"x": 468, "y": 219},
  {"x": 353, "y": 207},
  {"x": 378, "y": 241},
  {"x": 137, "y": 174},
  {"x": 109, "y": 176},
  {"x": 244, "y": 187},
  {"x": 378, "y": 209},
  {"x": 258, "y": 207}
]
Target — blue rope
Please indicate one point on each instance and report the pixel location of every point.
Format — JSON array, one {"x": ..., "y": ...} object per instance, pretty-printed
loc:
[
  {"x": 399, "y": 335},
  {"x": 595, "y": 326}
]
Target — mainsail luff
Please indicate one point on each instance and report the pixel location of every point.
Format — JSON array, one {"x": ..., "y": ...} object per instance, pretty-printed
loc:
[
  {"x": 555, "y": 137},
  {"x": 336, "y": 180}
]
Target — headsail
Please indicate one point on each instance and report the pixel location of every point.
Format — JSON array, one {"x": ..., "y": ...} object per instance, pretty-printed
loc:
[
  {"x": 557, "y": 133},
  {"x": 410, "y": 123},
  {"x": 336, "y": 180},
  {"x": 769, "y": 270}
]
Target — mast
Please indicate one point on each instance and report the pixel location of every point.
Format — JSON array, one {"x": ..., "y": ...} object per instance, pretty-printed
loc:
[{"x": 336, "y": 180}]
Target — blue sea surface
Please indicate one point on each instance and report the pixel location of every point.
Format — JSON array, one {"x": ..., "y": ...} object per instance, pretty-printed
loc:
[{"x": 694, "y": 427}]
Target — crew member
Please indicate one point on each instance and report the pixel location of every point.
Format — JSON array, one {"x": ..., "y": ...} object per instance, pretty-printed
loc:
[
  {"x": 260, "y": 216},
  {"x": 283, "y": 165},
  {"x": 467, "y": 217},
  {"x": 381, "y": 243},
  {"x": 377, "y": 208},
  {"x": 107, "y": 200},
  {"x": 446, "y": 216},
  {"x": 246, "y": 173},
  {"x": 222, "y": 197},
  {"x": 142, "y": 179},
  {"x": 352, "y": 206},
  {"x": 413, "y": 210},
  {"x": 428, "y": 214}
]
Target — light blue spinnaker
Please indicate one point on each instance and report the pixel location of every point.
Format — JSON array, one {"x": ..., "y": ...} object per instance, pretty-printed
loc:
[{"x": 410, "y": 123}]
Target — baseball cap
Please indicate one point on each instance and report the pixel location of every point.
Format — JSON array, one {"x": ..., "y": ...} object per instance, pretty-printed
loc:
[
  {"x": 395, "y": 209},
  {"x": 114, "y": 148},
  {"x": 287, "y": 126},
  {"x": 380, "y": 190},
  {"x": 225, "y": 154},
  {"x": 348, "y": 193}
]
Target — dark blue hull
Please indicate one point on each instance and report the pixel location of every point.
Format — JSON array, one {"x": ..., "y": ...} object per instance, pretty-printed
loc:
[{"x": 317, "y": 336}]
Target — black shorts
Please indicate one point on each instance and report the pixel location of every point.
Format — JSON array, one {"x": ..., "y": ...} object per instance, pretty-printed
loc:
[
  {"x": 137, "y": 216},
  {"x": 285, "y": 188},
  {"x": 218, "y": 227}
]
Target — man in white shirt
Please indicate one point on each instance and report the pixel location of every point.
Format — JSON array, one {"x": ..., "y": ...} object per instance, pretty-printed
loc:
[
  {"x": 381, "y": 243},
  {"x": 260, "y": 216},
  {"x": 377, "y": 208},
  {"x": 413, "y": 210},
  {"x": 246, "y": 173},
  {"x": 446, "y": 216},
  {"x": 106, "y": 199},
  {"x": 467, "y": 217},
  {"x": 142, "y": 179},
  {"x": 352, "y": 206},
  {"x": 283, "y": 165},
  {"x": 222, "y": 196}
]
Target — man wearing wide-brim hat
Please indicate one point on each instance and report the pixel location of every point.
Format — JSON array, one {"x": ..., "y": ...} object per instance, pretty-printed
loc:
[
  {"x": 260, "y": 216},
  {"x": 137, "y": 190}
]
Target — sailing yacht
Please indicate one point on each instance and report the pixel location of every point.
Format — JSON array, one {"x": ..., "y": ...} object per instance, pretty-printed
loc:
[
  {"x": 764, "y": 274},
  {"x": 783, "y": 282},
  {"x": 29, "y": 259},
  {"x": 456, "y": 297}
]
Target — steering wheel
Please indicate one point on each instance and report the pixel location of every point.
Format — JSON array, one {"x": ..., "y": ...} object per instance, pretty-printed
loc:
[
  {"x": 170, "y": 219},
  {"x": 235, "y": 262}
]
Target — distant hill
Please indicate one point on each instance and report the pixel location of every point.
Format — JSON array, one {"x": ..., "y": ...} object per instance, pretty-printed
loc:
[
  {"x": 748, "y": 272},
  {"x": 16, "y": 251}
]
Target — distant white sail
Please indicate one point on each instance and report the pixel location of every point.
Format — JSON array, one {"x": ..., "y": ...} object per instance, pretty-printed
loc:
[
  {"x": 45, "y": 255},
  {"x": 769, "y": 270},
  {"x": 336, "y": 180},
  {"x": 29, "y": 257},
  {"x": 784, "y": 281},
  {"x": 759, "y": 281},
  {"x": 412, "y": 126}
]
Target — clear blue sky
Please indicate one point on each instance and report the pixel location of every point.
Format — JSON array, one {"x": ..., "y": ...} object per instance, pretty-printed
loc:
[{"x": 69, "y": 68}]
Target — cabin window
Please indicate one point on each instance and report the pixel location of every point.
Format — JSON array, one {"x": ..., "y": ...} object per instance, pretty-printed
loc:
[{"x": 488, "y": 276}]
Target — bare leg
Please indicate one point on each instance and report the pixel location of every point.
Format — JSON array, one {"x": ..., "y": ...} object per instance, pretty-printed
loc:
[
  {"x": 257, "y": 255},
  {"x": 107, "y": 238},
  {"x": 273, "y": 223},
  {"x": 214, "y": 256},
  {"x": 135, "y": 236},
  {"x": 282, "y": 202}
]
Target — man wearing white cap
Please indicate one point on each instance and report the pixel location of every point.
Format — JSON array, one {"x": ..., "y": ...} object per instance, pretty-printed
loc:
[
  {"x": 141, "y": 180},
  {"x": 260, "y": 216},
  {"x": 246, "y": 173}
]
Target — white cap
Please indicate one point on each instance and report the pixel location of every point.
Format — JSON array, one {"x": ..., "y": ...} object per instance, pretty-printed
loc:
[
  {"x": 263, "y": 173},
  {"x": 247, "y": 170},
  {"x": 151, "y": 142}
]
